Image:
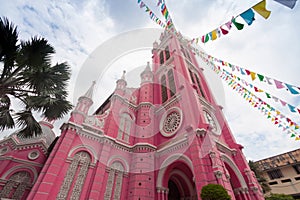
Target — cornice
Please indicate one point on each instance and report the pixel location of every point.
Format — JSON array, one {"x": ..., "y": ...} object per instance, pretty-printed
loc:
[{"x": 27, "y": 162}]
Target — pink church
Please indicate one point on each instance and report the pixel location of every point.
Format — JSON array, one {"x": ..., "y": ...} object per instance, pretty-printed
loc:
[{"x": 164, "y": 140}]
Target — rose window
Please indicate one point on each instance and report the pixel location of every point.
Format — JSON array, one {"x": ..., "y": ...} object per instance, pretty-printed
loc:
[{"x": 172, "y": 122}]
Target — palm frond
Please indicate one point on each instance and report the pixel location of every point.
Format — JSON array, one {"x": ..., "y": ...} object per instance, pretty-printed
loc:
[
  {"x": 6, "y": 120},
  {"x": 52, "y": 108},
  {"x": 29, "y": 126},
  {"x": 8, "y": 46},
  {"x": 35, "y": 53}
]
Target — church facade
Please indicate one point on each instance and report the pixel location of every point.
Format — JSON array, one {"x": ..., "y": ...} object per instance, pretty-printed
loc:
[{"x": 164, "y": 140}]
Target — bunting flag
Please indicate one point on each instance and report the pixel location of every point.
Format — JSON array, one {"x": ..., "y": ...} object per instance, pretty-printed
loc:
[
  {"x": 151, "y": 14},
  {"x": 165, "y": 12},
  {"x": 248, "y": 16},
  {"x": 276, "y": 117},
  {"x": 289, "y": 3},
  {"x": 239, "y": 26},
  {"x": 257, "y": 89},
  {"x": 295, "y": 90},
  {"x": 260, "y": 8}
]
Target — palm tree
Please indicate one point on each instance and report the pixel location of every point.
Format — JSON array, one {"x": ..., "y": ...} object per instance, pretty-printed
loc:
[{"x": 27, "y": 75}]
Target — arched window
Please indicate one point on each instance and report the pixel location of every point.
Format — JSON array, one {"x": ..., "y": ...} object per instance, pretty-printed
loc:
[
  {"x": 167, "y": 52},
  {"x": 20, "y": 180},
  {"x": 163, "y": 85},
  {"x": 124, "y": 127},
  {"x": 168, "y": 87},
  {"x": 77, "y": 171},
  {"x": 171, "y": 83},
  {"x": 164, "y": 55},
  {"x": 114, "y": 181},
  {"x": 196, "y": 81},
  {"x": 161, "y": 57}
]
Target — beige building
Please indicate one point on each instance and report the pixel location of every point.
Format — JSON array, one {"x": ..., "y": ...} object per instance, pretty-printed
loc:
[{"x": 283, "y": 172}]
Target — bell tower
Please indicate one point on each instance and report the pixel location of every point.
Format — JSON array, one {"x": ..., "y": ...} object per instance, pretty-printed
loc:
[{"x": 165, "y": 139}]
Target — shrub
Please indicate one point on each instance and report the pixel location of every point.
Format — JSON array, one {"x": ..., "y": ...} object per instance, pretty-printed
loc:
[{"x": 214, "y": 192}]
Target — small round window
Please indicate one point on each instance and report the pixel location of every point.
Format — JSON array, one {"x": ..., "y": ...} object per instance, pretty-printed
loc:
[
  {"x": 3, "y": 150},
  {"x": 33, "y": 155}
]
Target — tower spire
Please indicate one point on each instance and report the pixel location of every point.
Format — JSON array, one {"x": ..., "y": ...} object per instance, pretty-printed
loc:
[
  {"x": 83, "y": 105},
  {"x": 89, "y": 93}
]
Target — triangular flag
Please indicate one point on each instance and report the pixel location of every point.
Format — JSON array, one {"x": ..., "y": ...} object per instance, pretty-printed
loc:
[
  {"x": 139, "y": 1},
  {"x": 268, "y": 95},
  {"x": 224, "y": 31},
  {"x": 288, "y": 3},
  {"x": 268, "y": 80},
  {"x": 260, "y": 77},
  {"x": 291, "y": 89},
  {"x": 214, "y": 35},
  {"x": 253, "y": 77},
  {"x": 297, "y": 138},
  {"x": 239, "y": 26},
  {"x": 278, "y": 84},
  {"x": 293, "y": 135},
  {"x": 292, "y": 108},
  {"x": 247, "y": 71},
  {"x": 228, "y": 24},
  {"x": 260, "y": 8},
  {"x": 142, "y": 5},
  {"x": 248, "y": 16}
]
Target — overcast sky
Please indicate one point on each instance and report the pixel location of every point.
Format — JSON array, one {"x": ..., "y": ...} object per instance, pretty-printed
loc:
[{"x": 270, "y": 47}]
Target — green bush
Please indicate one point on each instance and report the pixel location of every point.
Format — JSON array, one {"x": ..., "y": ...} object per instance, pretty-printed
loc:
[
  {"x": 279, "y": 197},
  {"x": 214, "y": 192}
]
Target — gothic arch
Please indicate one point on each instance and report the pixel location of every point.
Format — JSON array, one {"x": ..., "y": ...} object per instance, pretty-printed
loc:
[
  {"x": 185, "y": 178},
  {"x": 235, "y": 169},
  {"x": 31, "y": 170},
  {"x": 86, "y": 148},
  {"x": 117, "y": 158},
  {"x": 171, "y": 159}
]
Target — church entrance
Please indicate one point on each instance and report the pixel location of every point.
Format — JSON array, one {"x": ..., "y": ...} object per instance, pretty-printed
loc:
[
  {"x": 180, "y": 182},
  {"x": 174, "y": 193}
]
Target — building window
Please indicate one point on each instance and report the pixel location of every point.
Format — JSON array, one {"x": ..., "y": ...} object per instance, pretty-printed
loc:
[
  {"x": 186, "y": 53},
  {"x": 124, "y": 127},
  {"x": 276, "y": 173},
  {"x": 196, "y": 81},
  {"x": 297, "y": 168},
  {"x": 114, "y": 181},
  {"x": 164, "y": 55},
  {"x": 167, "y": 52},
  {"x": 168, "y": 87},
  {"x": 163, "y": 86},
  {"x": 16, "y": 185},
  {"x": 171, "y": 83},
  {"x": 273, "y": 183},
  {"x": 286, "y": 181},
  {"x": 77, "y": 171},
  {"x": 161, "y": 57}
]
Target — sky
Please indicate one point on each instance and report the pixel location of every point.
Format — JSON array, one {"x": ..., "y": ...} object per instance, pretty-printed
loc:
[{"x": 270, "y": 46}]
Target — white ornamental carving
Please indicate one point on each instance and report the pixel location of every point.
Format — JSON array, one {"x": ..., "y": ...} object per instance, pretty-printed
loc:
[{"x": 94, "y": 121}]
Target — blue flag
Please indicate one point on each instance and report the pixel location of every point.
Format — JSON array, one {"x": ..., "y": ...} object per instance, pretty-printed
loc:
[{"x": 248, "y": 16}]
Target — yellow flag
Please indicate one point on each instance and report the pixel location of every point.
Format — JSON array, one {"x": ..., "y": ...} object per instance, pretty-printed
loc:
[
  {"x": 214, "y": 35},
  {"x": 260, "y": 8}
]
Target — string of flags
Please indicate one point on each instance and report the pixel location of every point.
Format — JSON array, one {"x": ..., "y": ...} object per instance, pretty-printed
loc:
[
  {"x": 278, "y": 119},
  {"x": 248, "y": 16},
  {"x": 295, "y": 90},
  {"x": 165, "y": 12},
  {"x": 152, "y": 15},
  {"x": 283, "y": 103}
]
